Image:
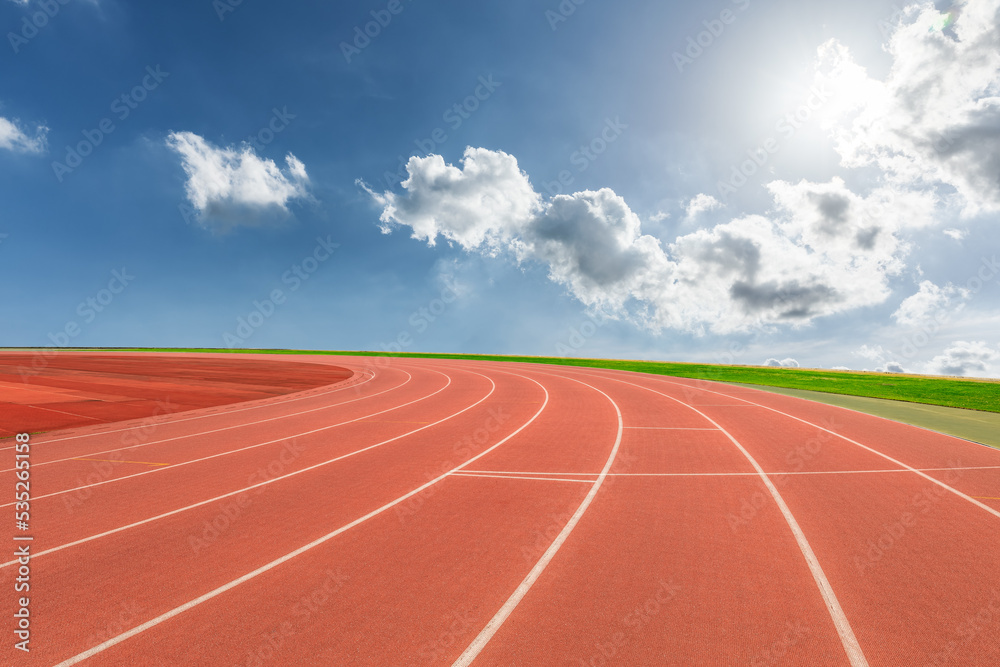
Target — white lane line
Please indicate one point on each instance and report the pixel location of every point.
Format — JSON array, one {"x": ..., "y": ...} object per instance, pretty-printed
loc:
[
  {"x": 847, "y": 637},
  {"x": 62, "y": 412},
  {"x": 233, "y": 451},
  {"x": 958, "y": 493},
  {"x": 671, "y": 428},
  {"x": 722, "y": 474},
  {"x": 341, "y": 386},
  {"x": 287, "y": 557},
  {"x": 260, "y": 484},
  {"x": 226, "y": 428},
  {"x": 542, "y": 479},
  {"x": 483, "y": 638}
]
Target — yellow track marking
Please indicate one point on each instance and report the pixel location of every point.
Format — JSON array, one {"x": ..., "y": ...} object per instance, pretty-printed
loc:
[{"x": 985, "y": 498}]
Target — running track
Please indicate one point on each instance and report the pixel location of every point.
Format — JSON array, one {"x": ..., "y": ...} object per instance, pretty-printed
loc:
[{"x": 471, "y": 513}]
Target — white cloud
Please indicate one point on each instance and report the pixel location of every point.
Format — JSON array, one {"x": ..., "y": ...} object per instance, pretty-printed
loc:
[
  {"x": 229, "y": 187},
  {"x": 930, "y": 304},
  {"x": 965, "y": 358},
  {"x": 16, "y": 138},
  {"x": 936, "y": 116},
  {"x": 890, "y": 367},
  {"x": 701, "y": 203},
  {"x": 839, "y": 368},
  {"x": 659, "y": 216},
  {"x": 786, "y": 363},
  {"x": 871, "y": 352},
  {"x": 484, "y": 203},
  {"x": 822, "y": 250},
  {"x": 957, "y": 234}
]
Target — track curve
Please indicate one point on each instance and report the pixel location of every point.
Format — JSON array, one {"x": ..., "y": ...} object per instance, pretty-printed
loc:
[{"x": 476, "y": 513}]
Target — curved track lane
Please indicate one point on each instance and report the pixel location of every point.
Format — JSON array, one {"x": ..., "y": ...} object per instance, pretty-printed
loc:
[{"x": 472, "y": 513}]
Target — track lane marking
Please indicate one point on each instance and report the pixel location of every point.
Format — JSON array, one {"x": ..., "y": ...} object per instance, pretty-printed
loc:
[
  {"x": 259, "y": 484},
  {"x": 958, "y": 493},
  {"x": 840, "y": 621},
  {"x": 145, "y": 463},
  {"x": 233, "y": 451},
  {"x": 484, "y": 636},
  {"x": 225, "y": 428},
  {"x": 541, "y": 479},
  {"x": 347, "y": 383},
  {"x": 723, "y": 474},
  {"x": 671, "y": 428},
  {"x": 62, "y": 412},
  {"x": 287, "y": 557}
]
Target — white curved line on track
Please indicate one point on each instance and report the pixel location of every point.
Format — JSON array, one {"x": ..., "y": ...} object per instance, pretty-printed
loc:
[
  {"x": 958, "y": 493},
  {"x": 216, "y": 414},
  {"x": 241, "y": 449},
  {"x": 484, "y": 636},
  {"x": 226, "y": 428},
  {"x": 287, "y": 557},
  {"x": 541, "y": 479},
  {"x": 261, "y": 484},
  {"x": 843, "y": 626}
]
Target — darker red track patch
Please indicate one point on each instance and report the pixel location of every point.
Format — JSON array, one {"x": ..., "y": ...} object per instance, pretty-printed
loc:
[{"x": 43, "y": 391}]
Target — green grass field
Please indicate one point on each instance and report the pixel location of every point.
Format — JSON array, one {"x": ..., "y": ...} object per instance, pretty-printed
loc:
[{"x": 970, "y": 394}]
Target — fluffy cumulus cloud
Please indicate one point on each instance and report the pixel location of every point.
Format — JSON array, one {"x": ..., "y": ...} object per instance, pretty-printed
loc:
[
  {"x": 822, "y": 250},
  {"x": 15, "y": 137},
  {"x": 935, "y": 118},
  {"x": 787, "y": 363},
  {"x": 965, "y": 358},
  {"x": 231, "y": 186},
  {"x": 701, "y": 203},
  {"x": 930, "y": 304}
]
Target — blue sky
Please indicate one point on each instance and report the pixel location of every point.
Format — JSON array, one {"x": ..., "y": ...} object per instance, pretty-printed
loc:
[{"x": 251, "y": 138}]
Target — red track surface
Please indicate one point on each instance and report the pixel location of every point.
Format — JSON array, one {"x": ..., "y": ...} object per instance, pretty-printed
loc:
[
  {"x": 41, "y": 391},
  {"x": 444, "y": 512}
]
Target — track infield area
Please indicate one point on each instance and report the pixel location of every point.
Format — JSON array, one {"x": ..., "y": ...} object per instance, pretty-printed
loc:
[{"x": 447, "y": 512}]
